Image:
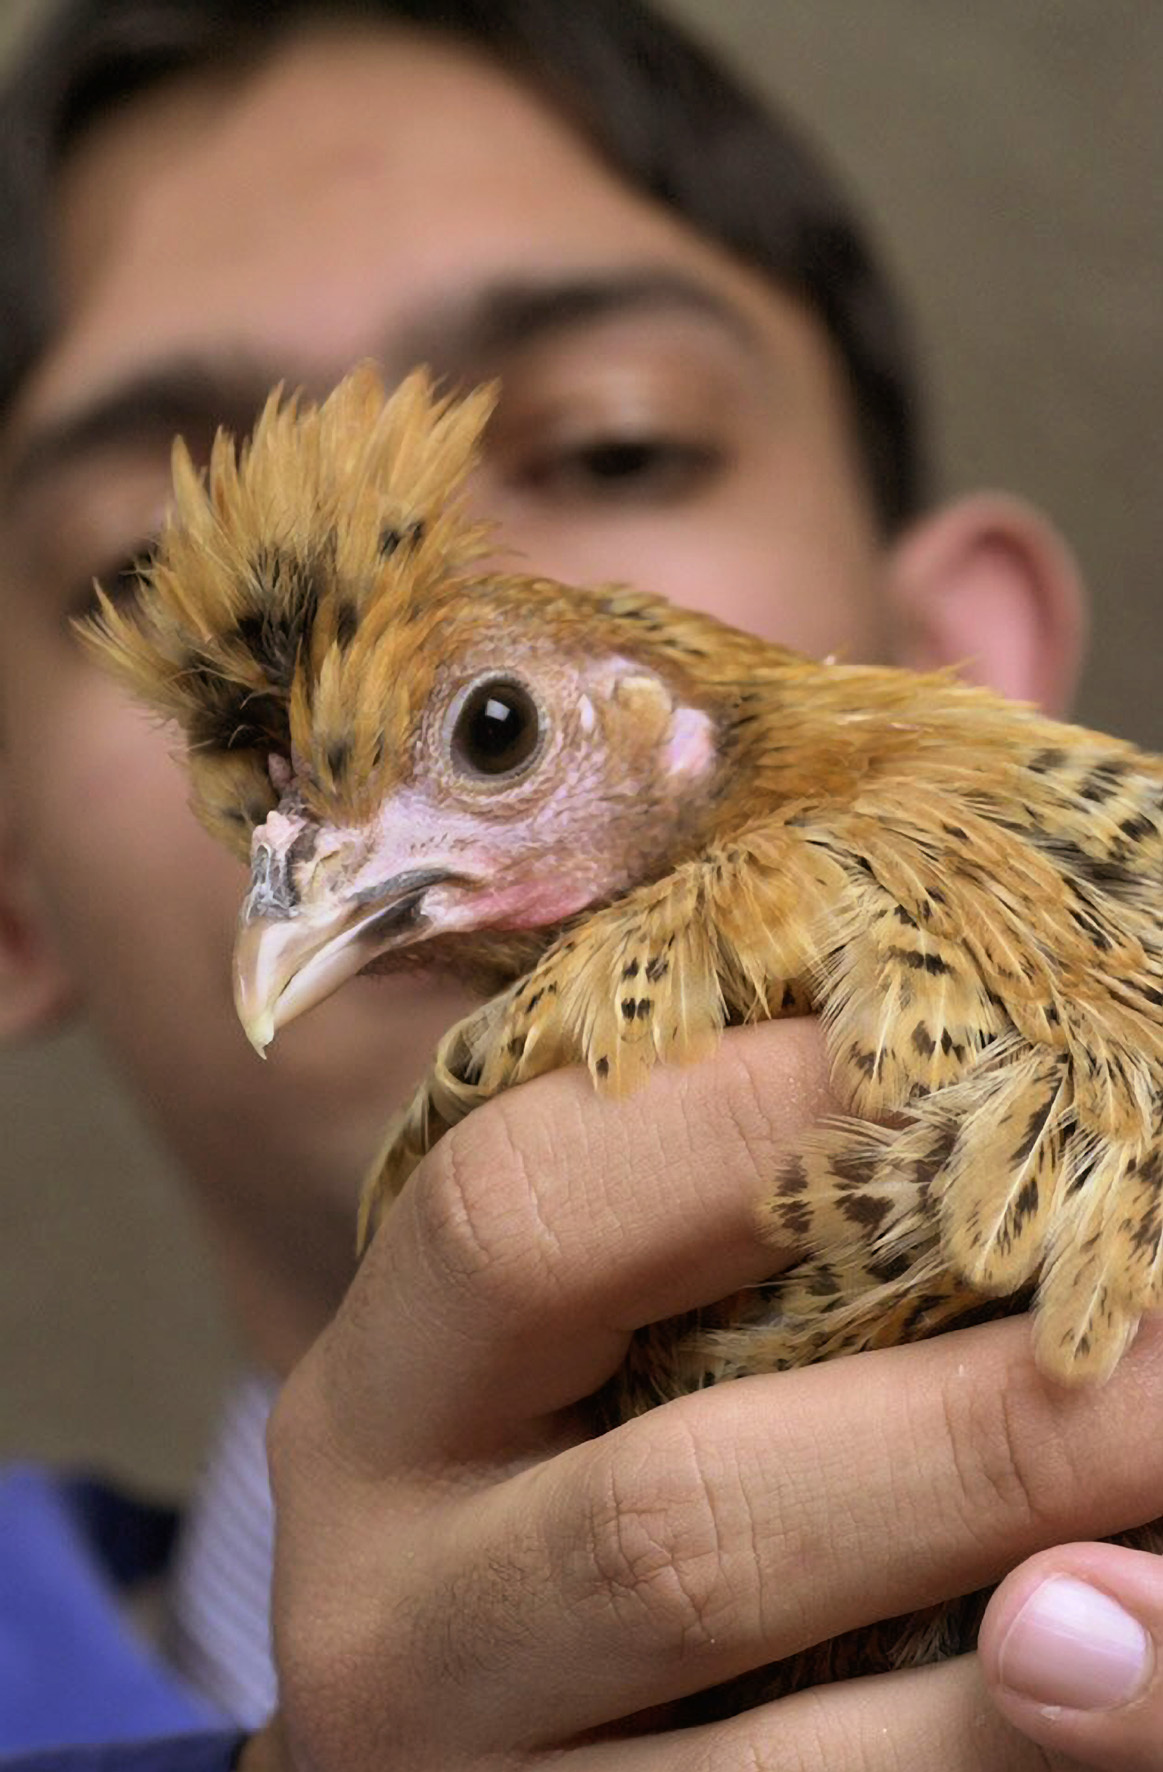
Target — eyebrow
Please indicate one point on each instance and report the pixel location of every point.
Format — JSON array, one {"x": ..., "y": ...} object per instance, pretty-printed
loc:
[
  {"x": 192, "y": 395},
  {"x": 180, "y": 395},
  {"x": 508, "y": 315}
]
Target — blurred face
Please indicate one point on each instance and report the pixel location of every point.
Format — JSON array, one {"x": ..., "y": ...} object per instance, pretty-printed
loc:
[{"x": 666, "y": 418}]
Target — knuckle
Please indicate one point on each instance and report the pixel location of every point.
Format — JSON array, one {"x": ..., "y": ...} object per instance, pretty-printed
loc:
[
  {"x": 742, "y": 1753},
  {"x": 805, "y": 1741},
  {"x": 654, "y": 1547},
  {"x": 763, "y": 1077},
  {"x": 997, "y": 1463},
  {"x": 313, "y": 1444},
  {"x": 481, "y": 1215},
  {"x": 342, "y": 1651},
  {"x": 287, "y": 1426},
  {"x": 746, "y": 1106}
]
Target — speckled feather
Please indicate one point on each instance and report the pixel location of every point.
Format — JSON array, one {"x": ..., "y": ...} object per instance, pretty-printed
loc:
[{"x": 968, "y": 894}]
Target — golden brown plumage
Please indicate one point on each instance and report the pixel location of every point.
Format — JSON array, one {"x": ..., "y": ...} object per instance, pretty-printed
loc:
[{"x": 642, "y": 826}]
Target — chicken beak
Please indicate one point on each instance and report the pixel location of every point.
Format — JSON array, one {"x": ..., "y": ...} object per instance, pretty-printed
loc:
[{"x": 285, "y": 964}]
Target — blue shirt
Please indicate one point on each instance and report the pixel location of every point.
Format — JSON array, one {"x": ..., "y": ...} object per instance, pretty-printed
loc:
[{"x": 74, "y": 1674}]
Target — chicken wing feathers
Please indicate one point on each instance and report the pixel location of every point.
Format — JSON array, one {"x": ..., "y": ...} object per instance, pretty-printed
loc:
[{"x": 643, "y": 827}]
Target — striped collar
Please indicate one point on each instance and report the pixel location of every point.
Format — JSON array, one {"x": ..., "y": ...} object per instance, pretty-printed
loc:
[{"x": 216, "y": 1631}]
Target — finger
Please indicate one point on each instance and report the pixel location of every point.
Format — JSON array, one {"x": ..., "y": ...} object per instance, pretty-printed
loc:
[
  {"x": 743, "y": 1524},
  {"x": 507, "y": 1279},
  {"x": 932, "y": 1717},
  {"x": 928, "y": 1717},
  {"x": 1072, "y": 1652}
]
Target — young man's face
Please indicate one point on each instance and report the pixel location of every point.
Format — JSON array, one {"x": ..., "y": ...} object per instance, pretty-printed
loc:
[{"x": 666, "y": 418}]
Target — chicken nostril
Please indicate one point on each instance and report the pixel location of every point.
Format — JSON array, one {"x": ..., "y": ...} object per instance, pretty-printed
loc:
[{"x": 272, "y": 889}]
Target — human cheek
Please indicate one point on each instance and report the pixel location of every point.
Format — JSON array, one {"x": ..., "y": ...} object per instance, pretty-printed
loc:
[
  {"x": 791, "y": 568},
  {"x": 782, "y": 548},
  {"x": 127, "y": 872},
  {"x": 754, "y": 577},
  {"x": 811, "y": 592}
]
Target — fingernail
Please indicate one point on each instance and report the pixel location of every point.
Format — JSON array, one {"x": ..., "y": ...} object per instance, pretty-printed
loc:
[{"x": 1073, "y": 1646}]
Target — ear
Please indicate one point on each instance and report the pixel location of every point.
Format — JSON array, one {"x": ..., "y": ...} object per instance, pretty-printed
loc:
[
  {"x": 986, "y": 584},
  {"x": 36, "y": 990}
]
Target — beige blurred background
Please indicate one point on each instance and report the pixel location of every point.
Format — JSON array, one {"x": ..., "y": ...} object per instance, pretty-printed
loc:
[{"x": 1013, "y": 153}]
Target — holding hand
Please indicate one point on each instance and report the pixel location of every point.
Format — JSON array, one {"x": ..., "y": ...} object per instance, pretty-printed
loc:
[{"x": 463, "y": 1578}]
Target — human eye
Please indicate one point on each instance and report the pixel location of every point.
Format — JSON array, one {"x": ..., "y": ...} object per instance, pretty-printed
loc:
[
  {"x": 120, "y": 578},
  {"x": 97, "y": 523},
  {"x": 620, "y": 466}
]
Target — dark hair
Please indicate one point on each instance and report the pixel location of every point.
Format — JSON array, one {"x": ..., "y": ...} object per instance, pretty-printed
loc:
[{"x": 650, "y": 101}]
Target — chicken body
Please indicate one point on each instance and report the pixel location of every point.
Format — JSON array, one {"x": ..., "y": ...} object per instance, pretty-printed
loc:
[{"x": 633, "y": 827}]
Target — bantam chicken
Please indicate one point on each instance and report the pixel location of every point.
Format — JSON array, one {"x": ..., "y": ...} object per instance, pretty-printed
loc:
[{"x": 632, "y": 827}]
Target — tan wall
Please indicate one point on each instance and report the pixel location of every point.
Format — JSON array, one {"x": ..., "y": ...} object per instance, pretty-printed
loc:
[{"x": 1014, "y": 154}]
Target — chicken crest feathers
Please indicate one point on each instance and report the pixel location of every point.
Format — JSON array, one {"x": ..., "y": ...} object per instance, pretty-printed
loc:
[{"x": 269, "y": 565}]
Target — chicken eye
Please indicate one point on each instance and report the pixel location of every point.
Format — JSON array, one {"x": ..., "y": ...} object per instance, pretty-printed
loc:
[{"x": 497, "y": 730}]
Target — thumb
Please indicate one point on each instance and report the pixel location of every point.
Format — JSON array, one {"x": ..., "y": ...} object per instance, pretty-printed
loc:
[{"x": 1071, "y": 1648}]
